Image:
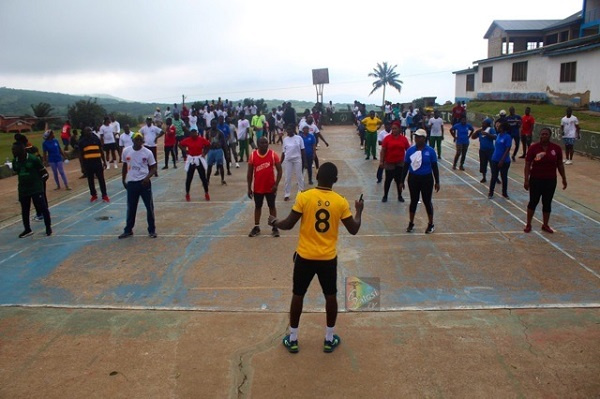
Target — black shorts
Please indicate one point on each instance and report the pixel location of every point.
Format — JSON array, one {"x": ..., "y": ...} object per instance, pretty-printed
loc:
[
  {"x": 305, "y": 270},
  {"x": 110, "y": 146},
  {"x": 259, "y": 198}
]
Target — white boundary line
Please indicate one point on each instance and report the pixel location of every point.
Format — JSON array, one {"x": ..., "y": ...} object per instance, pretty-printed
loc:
[
  {"x": 259, "y": 310},
  {"x": 450, "y": 160},
  {"x": 517, "y": 218}
]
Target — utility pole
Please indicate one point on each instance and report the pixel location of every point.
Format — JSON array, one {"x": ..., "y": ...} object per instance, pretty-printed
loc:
[{"x": 183, "y": 97}]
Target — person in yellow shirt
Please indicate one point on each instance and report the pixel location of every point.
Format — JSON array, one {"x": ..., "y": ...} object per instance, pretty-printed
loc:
[
  {"x": 320, "y": 211},
  {"x": 372, "y": 124},
  {"x": 258, "y": 123}
]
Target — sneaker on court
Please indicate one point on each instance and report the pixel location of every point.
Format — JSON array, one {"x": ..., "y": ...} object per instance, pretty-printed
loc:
[
  {"x": 105, "y": 198},
  {"x": 400, "y": 198},
  {"x": 126, "y": 235},
  {"x": 164, "y": 167},
  {"x": 223, "y": 183},
  {"x": 430, "y": 228},
  {"x": 329, "y": 346},
  {"x": 292, "y": 346},
  {"x": 152, "y": 235},
  {"x": 254, "y": 232},
  {"x": 48, "y": 231},
  {"x": 116, "y": 165},
  {"x": 237, "y": 165},
  {"x": 484, "y": 180},
  {"x": 188, "y": 198},
  {"x": 527, "y": 228},
  {"x": 275, "y": 232},
  {"x": 94, "y": 198},
  {"x": 461, "y": 167},
  {"x": 410, "y": 228},
  {"x": 38, "y": 218},
  {"x": 569, "y": 162},
  {"x": 384, "y": 198},
  {"x": 207, "y": 196},
  {"x": 26, "y": 233}
]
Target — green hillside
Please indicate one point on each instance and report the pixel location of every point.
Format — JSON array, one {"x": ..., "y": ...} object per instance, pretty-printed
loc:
[{"x": 18, "y": 102}]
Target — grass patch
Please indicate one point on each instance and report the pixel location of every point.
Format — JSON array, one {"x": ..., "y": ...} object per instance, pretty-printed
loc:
[
  {"x": 7, "y": 139},
  {"x": 543, "y": 113}
]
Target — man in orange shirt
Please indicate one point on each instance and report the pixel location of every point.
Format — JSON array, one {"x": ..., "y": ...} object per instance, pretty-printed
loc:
[{"x": 261, "y": 166}]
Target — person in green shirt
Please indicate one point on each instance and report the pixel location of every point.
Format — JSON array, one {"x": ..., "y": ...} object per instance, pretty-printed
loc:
[
  {"x": 31, "y": 174},
  {"x": 258, "y": 123}
]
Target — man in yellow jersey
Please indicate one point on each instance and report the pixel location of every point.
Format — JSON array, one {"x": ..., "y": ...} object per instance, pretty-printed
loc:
[
  {"x": 372, "y": 124},
  {"x": 320, "y": 210}
]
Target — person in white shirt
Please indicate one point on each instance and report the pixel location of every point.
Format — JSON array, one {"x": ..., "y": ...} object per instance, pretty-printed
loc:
[
  {"x": 193, "y": 120},
  {"x": 109, "y": 143},
  {"x": 242, "y": 134},
  {"x": 139, "y": 165},
  {"x": 436, "y": 134},
  {"x": 157, "y": 117},
  {"x": 569, "y": 127},
  {"x": 292, "y": 159},
  {"x": 208, "y": 116},
  {"x": 125, "y": 139},
  {"x": 117, "y": 133},
  {"x": 233, "y": 141},
  {"x": 151, "y": 133},
  {"x": 382, "y": 134}
]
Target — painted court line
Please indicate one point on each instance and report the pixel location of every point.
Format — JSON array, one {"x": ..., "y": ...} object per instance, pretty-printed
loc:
[
  {"x": 538, "y": 233},
  {"x": 447, "y": 146},
  {"x": 575, "y": 305},
  {"x": 96, "y": 237}
]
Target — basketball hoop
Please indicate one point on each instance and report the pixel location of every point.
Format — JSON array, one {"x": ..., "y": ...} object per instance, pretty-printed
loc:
[{"x": 320, "y": 78}]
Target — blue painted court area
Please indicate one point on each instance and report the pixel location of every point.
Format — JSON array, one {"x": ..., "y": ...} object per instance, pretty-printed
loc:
[{"x": 478, "y": 257}]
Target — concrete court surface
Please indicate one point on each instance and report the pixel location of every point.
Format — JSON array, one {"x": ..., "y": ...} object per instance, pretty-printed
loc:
[{"x": 478, "y": 309}]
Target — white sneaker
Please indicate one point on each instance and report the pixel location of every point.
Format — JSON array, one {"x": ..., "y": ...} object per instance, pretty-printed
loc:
[
  {"x": 362, "y": 148},
  {"x": 564, "y": 161},
  {"x": 569, "y": 162},
  {"x": 237, "y": 165},
  {"x": 116, "y": 165}
]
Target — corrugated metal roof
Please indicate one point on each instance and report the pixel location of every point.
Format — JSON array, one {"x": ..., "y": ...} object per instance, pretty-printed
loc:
[{"x": 521, "y": 25}]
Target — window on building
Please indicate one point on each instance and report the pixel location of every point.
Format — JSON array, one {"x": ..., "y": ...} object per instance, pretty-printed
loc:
[
  {"x": 471, "y": 82},
  {"x": 519, "y": 71},
  {"x": 508, "y": 48},
  {"x": 568, "y": 70},
  {"x": 564, "y": 36},
  {"x": 487, "y": 74}
]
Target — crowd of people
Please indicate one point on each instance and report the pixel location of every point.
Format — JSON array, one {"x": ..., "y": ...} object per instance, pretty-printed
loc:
[{"x": 220, "y": 135}]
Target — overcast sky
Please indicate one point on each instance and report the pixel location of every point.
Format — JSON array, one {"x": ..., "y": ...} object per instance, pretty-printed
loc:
[{"x": 150, "y": 50}]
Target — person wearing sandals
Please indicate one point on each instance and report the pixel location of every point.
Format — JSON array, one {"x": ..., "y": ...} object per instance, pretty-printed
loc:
[
  {"x": 421, "y": 166},
  {"x": 320, "y": 211},
  {"x": 541, "y": 162}
]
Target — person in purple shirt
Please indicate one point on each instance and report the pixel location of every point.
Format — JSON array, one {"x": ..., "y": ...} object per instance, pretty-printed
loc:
[{"x": 461, "y": 132}]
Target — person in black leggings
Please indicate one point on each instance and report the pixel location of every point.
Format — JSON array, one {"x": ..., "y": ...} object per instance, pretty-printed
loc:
[
  {"x": 420, "y": 163},
  {"x": 541, "y": 162}
]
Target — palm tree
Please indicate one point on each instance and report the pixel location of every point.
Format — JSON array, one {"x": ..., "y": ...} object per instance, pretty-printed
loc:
[{"x": 385, "y": 75}]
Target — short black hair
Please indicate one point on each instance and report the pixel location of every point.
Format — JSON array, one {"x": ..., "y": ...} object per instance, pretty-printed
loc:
[{"x": 327, "y": 174}]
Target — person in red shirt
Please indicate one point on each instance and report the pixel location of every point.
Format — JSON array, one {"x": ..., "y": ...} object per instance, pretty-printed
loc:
[
  {"x": 393, "y": 149},
  {"x": 261, "y": 166},
  {"x": 458, "y": 111},
  {"x": 170, "y": 142},
  {"x": 527, "y": 124},
  {"x": 543, "y": 159},
  {"x": 197, "y": 148},
  {"x": 65, "y": 134}
]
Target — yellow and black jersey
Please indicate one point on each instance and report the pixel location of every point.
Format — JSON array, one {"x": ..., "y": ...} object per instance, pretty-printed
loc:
[{"x": 322, "y": 210}]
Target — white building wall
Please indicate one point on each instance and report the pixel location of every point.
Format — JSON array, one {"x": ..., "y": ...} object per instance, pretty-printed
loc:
[{"x": 543, "y": 77}]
